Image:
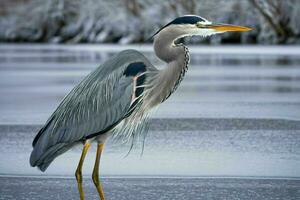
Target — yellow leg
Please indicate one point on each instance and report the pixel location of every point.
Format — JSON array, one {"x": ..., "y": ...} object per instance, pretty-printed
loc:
[
  {"x": 78, "y": 172},
  {"x": 96, "y": 172}
]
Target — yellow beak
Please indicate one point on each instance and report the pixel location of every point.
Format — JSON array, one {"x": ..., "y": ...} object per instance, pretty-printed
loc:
[{"x": 229, "y": 27}]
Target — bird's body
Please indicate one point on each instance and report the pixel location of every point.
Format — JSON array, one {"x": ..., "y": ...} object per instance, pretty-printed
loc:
[
  {"x": 116, "y": 98},
  {"x": 80, "y": 115}
]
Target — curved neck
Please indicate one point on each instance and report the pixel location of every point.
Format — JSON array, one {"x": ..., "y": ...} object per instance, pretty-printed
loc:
[
  {"x": 165, "y": 49},
  {"x": 176, "y": 57}
]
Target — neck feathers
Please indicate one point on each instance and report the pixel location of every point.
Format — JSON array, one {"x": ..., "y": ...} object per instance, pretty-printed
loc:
[
  {"x": 176, "y": 72},
  {"x": 177, "y": 59}
]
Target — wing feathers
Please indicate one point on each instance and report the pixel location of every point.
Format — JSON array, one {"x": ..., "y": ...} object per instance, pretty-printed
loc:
[{"x": 95, "y": 105}]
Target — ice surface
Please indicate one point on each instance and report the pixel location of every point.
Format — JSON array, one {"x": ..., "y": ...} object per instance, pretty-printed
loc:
[
  {"x": 187, "y": 152},
  {"x": 235, "y": 114},
  {"x": 23, "y": 188},
  {"x": 222, "y": 81}
]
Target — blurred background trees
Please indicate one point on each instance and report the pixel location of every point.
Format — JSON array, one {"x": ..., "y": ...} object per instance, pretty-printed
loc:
[{"x": 134, "y": 21}]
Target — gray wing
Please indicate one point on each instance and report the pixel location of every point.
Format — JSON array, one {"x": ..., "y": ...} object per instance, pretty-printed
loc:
[{"x": 95, "y": 105}]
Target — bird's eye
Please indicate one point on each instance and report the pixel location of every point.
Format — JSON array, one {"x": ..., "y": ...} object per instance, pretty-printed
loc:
[{"x": 200, "y": 25}]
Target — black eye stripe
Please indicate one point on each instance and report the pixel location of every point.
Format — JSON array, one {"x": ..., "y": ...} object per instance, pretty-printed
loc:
[
  {"x": 183, "y": 20},
  {"x": 187, "y": 20}
]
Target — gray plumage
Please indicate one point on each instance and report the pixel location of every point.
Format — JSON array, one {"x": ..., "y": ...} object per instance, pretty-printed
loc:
[
  {"x": 99, "y": 101},
  {"x": 116, "y": 98}
]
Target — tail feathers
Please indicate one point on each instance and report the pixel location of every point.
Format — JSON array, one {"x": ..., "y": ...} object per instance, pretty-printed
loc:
[
  {"x": 48, "y": 145},
  {"x": 42, "y": 159}
]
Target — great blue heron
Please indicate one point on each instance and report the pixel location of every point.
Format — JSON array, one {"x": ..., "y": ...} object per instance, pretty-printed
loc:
[{"x": 116, "y": 97}]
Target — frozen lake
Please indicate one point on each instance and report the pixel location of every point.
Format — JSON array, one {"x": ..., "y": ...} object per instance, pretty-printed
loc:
[
  {"x": 151, "y": 188},
  {"x": 236, "y": 114}
]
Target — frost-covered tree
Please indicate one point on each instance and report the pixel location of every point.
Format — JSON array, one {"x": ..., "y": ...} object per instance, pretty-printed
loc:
[
  {"x": 131, "y": 21},
  {"x": 277, "y": 19}
]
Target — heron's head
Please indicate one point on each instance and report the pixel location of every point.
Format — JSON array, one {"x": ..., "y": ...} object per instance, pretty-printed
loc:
[{"x": 192, "y": 25}]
